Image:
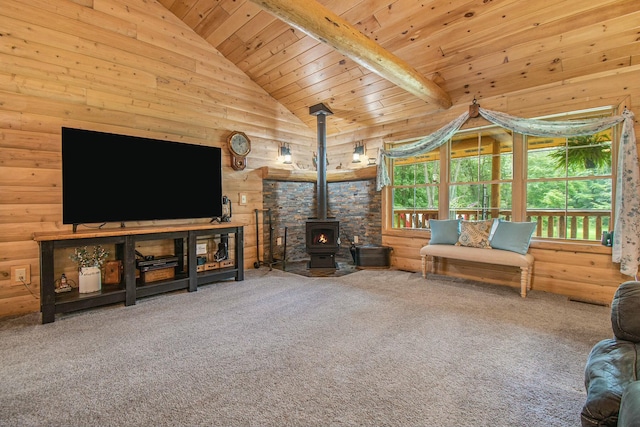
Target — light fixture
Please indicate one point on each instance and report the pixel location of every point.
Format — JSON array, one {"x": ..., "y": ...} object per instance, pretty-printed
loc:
[
  {"x": 285, "y": 154},
  {"x": 357, "y": 152}
]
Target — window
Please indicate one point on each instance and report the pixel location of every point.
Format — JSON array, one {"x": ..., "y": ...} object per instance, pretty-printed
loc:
[
  {"x": 564, "y": 184},
  {"x": 416, "y": 190},
  {"x": 481, "y": 173},
  {"x": 569, "y": 185}
]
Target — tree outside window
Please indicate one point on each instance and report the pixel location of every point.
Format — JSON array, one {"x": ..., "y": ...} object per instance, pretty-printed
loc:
[
  {"x": 569, "y": 185},
  {"x": 568, "y": 182}
]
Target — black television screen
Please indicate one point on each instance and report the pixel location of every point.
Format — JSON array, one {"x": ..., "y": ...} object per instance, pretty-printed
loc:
[{"x": 116, "y": 178}]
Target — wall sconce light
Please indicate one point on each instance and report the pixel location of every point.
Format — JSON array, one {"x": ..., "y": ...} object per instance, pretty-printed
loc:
[
  {"x": 285, "y": 154},
  {"x": 357, "y": 152}
]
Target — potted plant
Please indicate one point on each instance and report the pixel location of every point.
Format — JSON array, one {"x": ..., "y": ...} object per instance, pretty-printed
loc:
[
  {"x": 585, "y": 152},
  {"x": 89, "y": 268}
]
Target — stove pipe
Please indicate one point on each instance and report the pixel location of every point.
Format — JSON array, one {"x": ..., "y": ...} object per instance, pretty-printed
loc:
[{"x": 321, "y": 111}]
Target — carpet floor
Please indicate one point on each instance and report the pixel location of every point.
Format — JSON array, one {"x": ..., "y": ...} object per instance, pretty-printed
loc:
[{"x": 371, "y": 348}]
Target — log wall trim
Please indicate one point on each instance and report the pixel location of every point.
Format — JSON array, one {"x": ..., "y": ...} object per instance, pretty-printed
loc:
[
  {"x": 322, "y": 24},
  {"x": 276, "y": 174}
]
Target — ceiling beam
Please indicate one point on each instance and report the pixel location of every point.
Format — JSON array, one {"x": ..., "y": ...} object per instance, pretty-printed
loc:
[{"x": 318, "y": 22}]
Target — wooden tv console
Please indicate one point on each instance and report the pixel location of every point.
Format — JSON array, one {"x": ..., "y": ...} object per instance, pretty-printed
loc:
[{"x": 130, "y": 289}]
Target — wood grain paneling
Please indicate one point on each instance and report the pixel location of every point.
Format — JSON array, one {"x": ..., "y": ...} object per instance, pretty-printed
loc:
[
  {"x": 471, "y": 48},
  {"x": 580, "y": 271},
  {"x": 125, "y": 67},
  {"x": 195, "y": 70}
]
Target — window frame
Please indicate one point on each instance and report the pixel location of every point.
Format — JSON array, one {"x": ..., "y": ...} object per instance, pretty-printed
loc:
[{"x": 519, "y": 180}]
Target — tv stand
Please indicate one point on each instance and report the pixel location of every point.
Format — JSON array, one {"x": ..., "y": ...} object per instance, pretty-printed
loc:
[
  {"x": 130, "y": 289},
  {"x": 75, "y": 226}
]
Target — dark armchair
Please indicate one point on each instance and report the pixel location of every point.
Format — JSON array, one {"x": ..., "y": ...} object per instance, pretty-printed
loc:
[{"x": 611, "y": 372}]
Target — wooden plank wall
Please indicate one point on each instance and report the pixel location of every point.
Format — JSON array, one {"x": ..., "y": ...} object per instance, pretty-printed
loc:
[
  {"x": 121, "y": 66},
  {"x": 131, "y": 67},
  {"x": 580, "y": 271}
]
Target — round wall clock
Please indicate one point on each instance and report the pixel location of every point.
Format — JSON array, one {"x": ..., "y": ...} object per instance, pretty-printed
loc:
[{"x": 240, "y": 147}]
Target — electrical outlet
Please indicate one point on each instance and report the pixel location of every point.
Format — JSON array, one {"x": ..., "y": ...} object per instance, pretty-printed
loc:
[
  {"x": 355, "y": 239},
  {"x": 243, "y": 199},
  {"x": 21, "y": 274}
]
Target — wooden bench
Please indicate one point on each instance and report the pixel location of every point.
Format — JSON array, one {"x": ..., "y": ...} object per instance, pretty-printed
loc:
[{"x": 430, "y": 253}]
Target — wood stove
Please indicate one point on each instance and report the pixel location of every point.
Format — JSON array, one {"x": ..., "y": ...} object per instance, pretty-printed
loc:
[
  {"x": 323, "y": 242},
  {"x": 323, "y": 234}
]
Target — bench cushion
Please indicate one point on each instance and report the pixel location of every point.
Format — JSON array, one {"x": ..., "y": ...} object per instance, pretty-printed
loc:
[{"x": 489, "y": 256}]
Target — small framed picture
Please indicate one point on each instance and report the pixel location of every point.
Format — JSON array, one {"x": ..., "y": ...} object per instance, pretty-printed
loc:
[{"x": 201, "y": 249}]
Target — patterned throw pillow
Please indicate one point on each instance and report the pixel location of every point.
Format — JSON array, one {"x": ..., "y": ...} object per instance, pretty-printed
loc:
[{"x": 475, "y": 234}]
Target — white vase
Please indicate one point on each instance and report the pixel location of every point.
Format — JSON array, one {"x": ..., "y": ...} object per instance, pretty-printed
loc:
[{"x": 89, "y": 280}]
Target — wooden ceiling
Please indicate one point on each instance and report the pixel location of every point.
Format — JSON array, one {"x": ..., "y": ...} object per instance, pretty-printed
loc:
[{"x": 471, "y": 49}]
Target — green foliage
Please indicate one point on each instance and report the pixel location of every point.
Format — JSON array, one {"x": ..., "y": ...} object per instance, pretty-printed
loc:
[
  {"x": 84, "y": 258},
  {"x": 568, "y": 192},
  {"x": 561, "y": 178},
  {"x": 584, "y": 152},
  {"x": 416, "y": 174}
]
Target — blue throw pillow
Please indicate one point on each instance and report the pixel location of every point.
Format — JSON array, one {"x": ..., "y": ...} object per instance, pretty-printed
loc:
[
  {"x": 513, "y": 236},
  {"x": 444, "y": 231}
]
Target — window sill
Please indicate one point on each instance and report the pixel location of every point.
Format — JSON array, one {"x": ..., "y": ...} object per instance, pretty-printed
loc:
[{"x": 571, "y": 246}]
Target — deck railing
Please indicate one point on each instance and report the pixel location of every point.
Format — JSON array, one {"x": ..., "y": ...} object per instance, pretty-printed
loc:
[{"x": 573, "y": 224}]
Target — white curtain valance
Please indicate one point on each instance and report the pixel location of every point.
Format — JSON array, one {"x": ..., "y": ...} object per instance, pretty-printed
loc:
[{"x": 626, "y": 236}]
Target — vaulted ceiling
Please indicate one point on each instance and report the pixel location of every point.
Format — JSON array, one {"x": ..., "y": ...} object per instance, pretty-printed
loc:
[{"x": 469, "y": 48}]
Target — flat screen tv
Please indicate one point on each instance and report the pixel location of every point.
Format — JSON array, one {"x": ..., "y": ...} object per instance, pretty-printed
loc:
[{"x": 117, "y": 178}]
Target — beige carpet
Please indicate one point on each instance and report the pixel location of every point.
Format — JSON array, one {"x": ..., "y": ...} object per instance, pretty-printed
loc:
[{"x": 372, "y": 348}]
